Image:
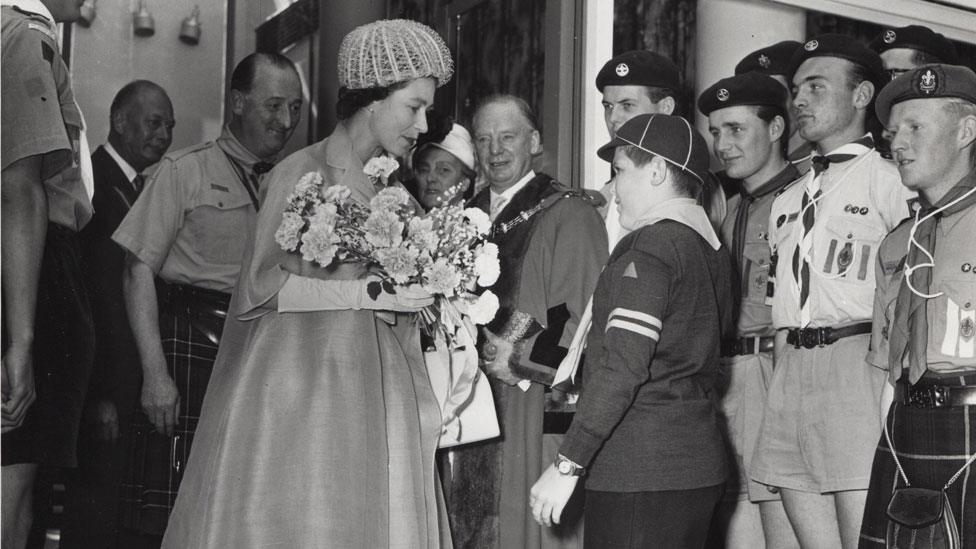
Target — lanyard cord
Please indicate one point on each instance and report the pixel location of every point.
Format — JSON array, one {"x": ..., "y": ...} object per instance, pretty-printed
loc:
[{"x": 901, "y": 470}]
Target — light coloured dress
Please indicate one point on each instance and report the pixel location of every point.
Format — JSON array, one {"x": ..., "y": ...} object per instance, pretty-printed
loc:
[{"x": 318, "y": 429}]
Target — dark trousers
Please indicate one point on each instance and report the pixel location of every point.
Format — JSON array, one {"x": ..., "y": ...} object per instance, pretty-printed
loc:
[{"x": 673, "y": 518}]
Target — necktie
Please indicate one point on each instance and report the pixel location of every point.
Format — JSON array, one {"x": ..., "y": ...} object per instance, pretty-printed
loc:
[
  {"x": 497, "y": 206},
  {"x": 138, "y": 182},
  {"x": 808, "y": 214},
  {"x": 909, "y": 330},
  {"x": 742, "y": 220},
  {"x": 260, "y": 168}
]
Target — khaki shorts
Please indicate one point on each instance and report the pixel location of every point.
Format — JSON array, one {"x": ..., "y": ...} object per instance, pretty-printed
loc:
[
  {"x": 742, "y": 384},
  {"x": 821, "y": 421}
]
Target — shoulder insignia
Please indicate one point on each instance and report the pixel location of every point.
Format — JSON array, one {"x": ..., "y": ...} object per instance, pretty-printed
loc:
[
  {"x": 43, "y": 29},
  {"x": 630, "y": 271}
]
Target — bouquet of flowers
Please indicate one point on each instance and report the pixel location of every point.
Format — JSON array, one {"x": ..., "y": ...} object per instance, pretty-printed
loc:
[{"x": 444, "y": 251}]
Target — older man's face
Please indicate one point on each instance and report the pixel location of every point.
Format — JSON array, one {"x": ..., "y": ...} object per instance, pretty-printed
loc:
[
  {"x": 505, "y": 143},
  {"x": 269, "y": 113},
  {"x": 146, "y": 129}
]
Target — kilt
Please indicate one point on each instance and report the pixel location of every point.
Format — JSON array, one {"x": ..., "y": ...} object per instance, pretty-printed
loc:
[
  {"x": 155, "y": 464},
  {"x": 932, "y": 444},
  {"x": 64, "y": 350}
]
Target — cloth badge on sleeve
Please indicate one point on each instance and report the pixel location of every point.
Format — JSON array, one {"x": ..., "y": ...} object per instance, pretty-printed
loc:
[
  {"x": 630, "y": 271},
  {"x": 636, "y": 322}
]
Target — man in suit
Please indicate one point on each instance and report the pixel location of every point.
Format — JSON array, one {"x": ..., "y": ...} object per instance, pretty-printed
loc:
[{"x": 141, "y": 131}]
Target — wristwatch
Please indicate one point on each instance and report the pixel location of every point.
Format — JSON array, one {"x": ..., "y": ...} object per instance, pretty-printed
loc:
[{"x": 567, "y": 467}]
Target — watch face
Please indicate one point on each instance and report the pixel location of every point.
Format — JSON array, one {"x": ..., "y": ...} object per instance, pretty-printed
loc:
[{"x": 565, "y": 467}]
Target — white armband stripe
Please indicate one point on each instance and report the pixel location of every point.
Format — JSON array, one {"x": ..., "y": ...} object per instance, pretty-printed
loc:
[
  {"x": 632, "y": 327},
  {"x": 635, "y": 315}
]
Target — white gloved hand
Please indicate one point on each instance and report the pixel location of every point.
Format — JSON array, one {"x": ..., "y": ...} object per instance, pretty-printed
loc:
[{"x": 303, "y": 294}]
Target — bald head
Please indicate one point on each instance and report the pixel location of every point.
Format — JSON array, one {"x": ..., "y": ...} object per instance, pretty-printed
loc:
[{"x": 142, "y": 123}]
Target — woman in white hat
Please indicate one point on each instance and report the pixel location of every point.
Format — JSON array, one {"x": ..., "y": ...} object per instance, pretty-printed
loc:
[
  {"x": 319, "y": 425},
  {"x": 443, "y": 167}
]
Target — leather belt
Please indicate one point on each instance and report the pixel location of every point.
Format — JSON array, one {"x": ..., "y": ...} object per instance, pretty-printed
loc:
[
  {"x": 818, "y": 337},
  {"x": 936, "y": 396},
  {"x": 748, "y": 346}
]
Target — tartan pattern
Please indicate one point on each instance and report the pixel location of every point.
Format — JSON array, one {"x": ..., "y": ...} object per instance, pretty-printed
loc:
[
  {"x": 932, "y": 445},
  {"x": 156, "y": 463}
]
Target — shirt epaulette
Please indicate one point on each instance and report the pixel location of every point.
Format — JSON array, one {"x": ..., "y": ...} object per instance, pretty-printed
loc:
[{"x": 176, "y": 155}]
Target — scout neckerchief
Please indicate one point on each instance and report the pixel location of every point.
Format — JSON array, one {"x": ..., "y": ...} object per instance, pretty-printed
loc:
[
  {"x": 780, "y": 180},
  {"x": 812, "y": 193},
  {"x": 909, "y": 330},
  {"x": 247, "y": 166},
  {"x": 686, "y": 211}
]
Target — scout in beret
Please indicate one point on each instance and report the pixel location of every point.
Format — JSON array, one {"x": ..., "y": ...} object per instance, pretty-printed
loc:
[
  {"x": 774, "y": 61},
  {"x": 660, "y": 305},
  {"x": 817, "y": 438},
  {"x": 926, "y": 264},
  {"x": 637, "y": 82},
  {"x": 902, "y": 49},
  {"x": 749, "y": 125}
]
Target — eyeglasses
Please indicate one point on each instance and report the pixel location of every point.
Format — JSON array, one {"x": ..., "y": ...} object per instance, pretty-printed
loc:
[{"x": 895, "y": 73}]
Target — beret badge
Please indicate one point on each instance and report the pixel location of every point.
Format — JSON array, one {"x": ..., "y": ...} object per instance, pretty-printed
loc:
[
  {"x": 622, "y": 70},
  {"x": 722, "y": 94},
  {"x": 889, "y": 36},
  {"x": 928, "y": 82},
  {"x": 764, "y": 61},
  {"x": 811, "y": 45}
]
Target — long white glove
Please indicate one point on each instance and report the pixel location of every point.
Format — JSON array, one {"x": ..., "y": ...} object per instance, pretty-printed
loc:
[{"x": 303, "y": 294}]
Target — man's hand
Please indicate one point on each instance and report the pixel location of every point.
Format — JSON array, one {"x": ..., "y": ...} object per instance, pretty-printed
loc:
[
  {"x": 18, "y": 386},
  {"x": 161, "y": 402},
  {"x": 496, "y": 355},
  {"x": 550, "y": 494},
  {"x": 105, "y": 419}
]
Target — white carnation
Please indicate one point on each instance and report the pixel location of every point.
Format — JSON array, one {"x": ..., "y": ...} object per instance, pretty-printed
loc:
[
  {"x": 479, "y": 219},
  {"x": 486, "y": 265},
  {"x": 289, "y": 231},
  {"x": 483, "y": 309}
]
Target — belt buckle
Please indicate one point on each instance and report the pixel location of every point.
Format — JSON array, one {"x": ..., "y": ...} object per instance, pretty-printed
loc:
[
  {"x": 928, "y": 397},
  {"x": 810, "y": 338}
]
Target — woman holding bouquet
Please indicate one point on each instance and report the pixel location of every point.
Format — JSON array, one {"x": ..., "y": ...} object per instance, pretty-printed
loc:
[{"x": 319, "y": 426}]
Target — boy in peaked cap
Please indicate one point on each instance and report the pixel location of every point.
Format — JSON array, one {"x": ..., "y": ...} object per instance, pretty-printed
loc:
[
  {"x": 749, "y": 125},
  {"x": 651, "y": 445},
  {"x": 632, "y": 83},
  {"x": 929, "y": 355},
  {"x": 820, "y": 418}
]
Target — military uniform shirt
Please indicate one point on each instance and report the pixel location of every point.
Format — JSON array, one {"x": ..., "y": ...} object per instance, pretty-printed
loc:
[
  {"x": 755, "y": 316},
  {"x": 39, "y": 114},
  {"x": 191, "y": 222},
  {"x": 861, "y": 201},
  {"x": 951, "y": 345}
]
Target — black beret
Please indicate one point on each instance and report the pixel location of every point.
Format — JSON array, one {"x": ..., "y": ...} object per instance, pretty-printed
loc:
[
  {"x": 842, "y": 47},
  {"x": 927, "y": 82},
  {"x": 670, "y": 137},
  {"x": 750, "y": 88},
  {"x": 773, "y": 59},
  {"x": 639, "y": 68},
  {"x": 916, "y": 37}
]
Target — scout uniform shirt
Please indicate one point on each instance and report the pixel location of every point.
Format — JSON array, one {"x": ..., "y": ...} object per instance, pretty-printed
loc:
[
  {"x": 192, "y": 221},
  {"x": 751, "y": 255},
  {"x": 861, "y": 200},
  {"x": 951, "y": 344},
  {"x": 40, "y": 116}
]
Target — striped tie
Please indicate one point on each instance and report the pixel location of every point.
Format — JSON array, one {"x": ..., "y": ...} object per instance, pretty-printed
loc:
[{"x": 808, "y": 212}]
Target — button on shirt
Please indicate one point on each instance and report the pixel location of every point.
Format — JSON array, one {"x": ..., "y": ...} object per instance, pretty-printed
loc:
[
  {"x": 862, "y": 200},
  {"x": 192, "y": 221}
]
